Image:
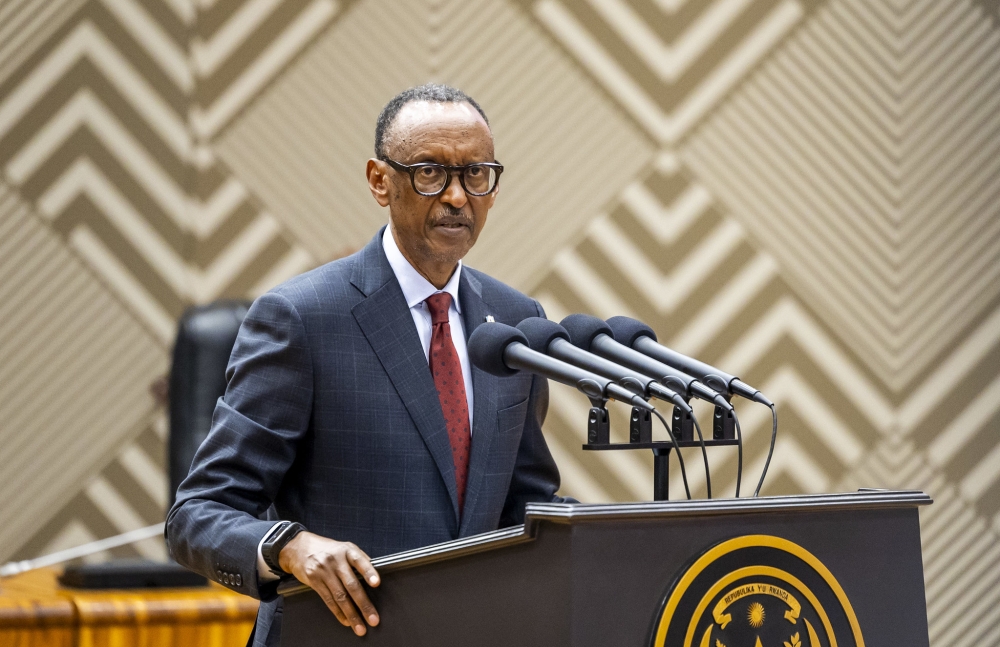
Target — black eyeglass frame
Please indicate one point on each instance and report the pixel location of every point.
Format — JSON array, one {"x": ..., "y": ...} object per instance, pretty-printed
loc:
[{"x": 451, "y": 170}]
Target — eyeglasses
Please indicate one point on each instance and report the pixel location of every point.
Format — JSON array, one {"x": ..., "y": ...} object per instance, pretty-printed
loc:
[{"x": 431, "y": 179}]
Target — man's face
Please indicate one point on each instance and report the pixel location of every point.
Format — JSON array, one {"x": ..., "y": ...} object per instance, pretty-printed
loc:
[{"x": 434, "y": 233}]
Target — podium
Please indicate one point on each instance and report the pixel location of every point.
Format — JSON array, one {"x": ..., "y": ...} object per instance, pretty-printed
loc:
[{"x": 837, "y": 570}]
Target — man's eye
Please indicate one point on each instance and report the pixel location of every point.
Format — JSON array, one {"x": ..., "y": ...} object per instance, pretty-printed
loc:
[
  {"x": 428, "y": 171},
  {"x": 475, "y": 170}
]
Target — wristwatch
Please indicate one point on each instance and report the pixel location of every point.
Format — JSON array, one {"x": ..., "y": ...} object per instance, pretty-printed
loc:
[{"x": 276, "y": 540}]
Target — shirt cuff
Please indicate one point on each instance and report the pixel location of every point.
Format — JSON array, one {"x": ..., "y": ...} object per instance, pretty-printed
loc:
[{"x": 264, "y": 572}]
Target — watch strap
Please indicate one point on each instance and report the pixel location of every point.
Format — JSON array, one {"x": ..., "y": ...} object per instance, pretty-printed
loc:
[{"x": 276, "y": 540}]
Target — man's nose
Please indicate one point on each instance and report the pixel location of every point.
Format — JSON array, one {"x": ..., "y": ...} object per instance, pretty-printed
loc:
[{"x": 454, "y": 193}]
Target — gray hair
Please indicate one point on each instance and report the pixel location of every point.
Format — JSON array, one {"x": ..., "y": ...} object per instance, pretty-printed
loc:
[{"x": 428, "y": 92}]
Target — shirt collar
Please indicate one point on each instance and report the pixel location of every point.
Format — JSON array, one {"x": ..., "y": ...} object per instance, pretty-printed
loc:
[{"x": 415, "y": 287}]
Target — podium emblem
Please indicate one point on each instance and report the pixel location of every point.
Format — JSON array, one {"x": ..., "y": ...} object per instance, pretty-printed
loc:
[{"x": 757, "y": 591}]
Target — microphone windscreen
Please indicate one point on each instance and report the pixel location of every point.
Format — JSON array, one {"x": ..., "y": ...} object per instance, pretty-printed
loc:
[
  {"x": 627, "y": 330},
  {"x": 583, "y": 328},
  {"x": 488, "y": 343},
  {"x": 540, "y": 332}
]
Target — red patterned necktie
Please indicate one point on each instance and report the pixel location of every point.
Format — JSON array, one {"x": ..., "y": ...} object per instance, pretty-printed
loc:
[{"x": 448, "y": 379}]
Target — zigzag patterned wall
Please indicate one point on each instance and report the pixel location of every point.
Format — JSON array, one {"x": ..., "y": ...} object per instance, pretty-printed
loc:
[{"x": 804, "y": 192}]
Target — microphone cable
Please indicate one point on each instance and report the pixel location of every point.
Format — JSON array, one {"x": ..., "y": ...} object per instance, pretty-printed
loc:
[
  {"x": 739, "y": 455},
  {"x": 704, "y": 455},
  {"x": 677, "y": 448},
  {"x": 770, "y": 452}
]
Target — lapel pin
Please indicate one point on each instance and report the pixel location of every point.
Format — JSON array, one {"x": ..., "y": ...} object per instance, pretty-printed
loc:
[{"x": 490, "y": 319}]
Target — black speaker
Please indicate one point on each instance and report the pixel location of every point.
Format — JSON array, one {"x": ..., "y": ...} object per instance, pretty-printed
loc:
[{"x": 205, "y": 338}]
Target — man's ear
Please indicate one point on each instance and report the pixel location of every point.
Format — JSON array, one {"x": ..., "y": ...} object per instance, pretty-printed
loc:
[{"x": 378, "y": 181}]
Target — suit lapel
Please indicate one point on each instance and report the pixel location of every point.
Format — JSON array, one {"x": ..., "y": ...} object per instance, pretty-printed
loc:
[
  {"x": 386, "y": 322},
  {"x": 485, "y": 388}
]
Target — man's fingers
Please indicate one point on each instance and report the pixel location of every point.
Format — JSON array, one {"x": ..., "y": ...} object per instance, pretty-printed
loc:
[
  {"x": 357, "y": 593},
  {"x": 329, "y": 568},
  {"x": 327, "y": 597},
  {"x": 363, "y": 565},
  {"x": 343, "y": 600}
]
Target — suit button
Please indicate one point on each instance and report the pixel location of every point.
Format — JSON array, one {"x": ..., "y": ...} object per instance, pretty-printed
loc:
[
  {"x": 229, "y": 579},
  {"x": 239, "y": 580},
  {"x": 219, "y": 576}
]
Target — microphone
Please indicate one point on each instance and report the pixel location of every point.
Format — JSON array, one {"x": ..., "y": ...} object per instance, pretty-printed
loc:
[
  {"x": 552, "y": 339},
  {"x": 592, "y": 334},
  {"x": 503, "y": 350},
  {"x": 640, "y": 337}
]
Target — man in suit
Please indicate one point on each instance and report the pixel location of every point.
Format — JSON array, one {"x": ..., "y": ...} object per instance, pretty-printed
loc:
[{"x": 351, "y": 406}]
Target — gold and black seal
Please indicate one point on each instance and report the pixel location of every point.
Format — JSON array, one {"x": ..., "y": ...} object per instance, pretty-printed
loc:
[{"x": 757, "y": 591}]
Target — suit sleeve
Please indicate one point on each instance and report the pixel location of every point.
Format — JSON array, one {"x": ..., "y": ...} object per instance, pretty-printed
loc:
[
  {"x": 535, "y": 477},
  {"x": 218, "y": 519}
]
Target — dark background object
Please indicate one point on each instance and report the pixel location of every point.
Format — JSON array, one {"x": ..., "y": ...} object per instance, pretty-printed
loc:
[
  {"x": 205, "y": 338},
  {"x": 129, "y": 574}
]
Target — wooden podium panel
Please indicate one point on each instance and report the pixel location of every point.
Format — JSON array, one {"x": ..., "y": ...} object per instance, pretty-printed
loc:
[
  {"x": 588, "y": 575},
  {"x": 32, "y": 615},
  {"x": 36, "y": 612}
]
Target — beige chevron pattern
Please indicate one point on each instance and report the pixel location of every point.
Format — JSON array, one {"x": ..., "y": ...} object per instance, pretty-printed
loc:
[
  {"x": 129, "y": 493},
  {"x": 74, "y": 371},
  {"x": 668, "y": 63},
  {"x": 108, "y": 114},
  {"x": 133, "y": 175},
  {"x": 992, "y": 8},
  {"x": 304, "y": 145},
  {"x": 877, "y": 183},
  {"x": 803, "y": 192},
  {"x": 24, "y": 26}
]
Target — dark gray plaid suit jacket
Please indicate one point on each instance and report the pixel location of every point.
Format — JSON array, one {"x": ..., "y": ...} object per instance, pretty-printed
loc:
[{"x": 332, "y": 416}]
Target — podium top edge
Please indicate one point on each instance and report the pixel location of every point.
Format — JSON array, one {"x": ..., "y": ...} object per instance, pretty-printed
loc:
[
  {"x": 583, "y": 512},
  {"x": 862, "y": 499}
]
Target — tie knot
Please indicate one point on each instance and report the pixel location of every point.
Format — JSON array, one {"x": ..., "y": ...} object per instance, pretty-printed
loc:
[{"x": 438, "y": 304}]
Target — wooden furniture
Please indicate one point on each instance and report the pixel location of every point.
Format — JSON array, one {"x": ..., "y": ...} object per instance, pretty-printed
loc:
[
  {"x": 32, "y": 614},
  {"x": 805, "y": 571},
  {"x": 36, "y": 612}
]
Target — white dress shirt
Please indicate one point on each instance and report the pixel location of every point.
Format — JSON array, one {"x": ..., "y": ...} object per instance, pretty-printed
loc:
[{"x": 416, "y": 289}]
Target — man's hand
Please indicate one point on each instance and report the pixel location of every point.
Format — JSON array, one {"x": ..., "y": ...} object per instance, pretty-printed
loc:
[{"x": 328, "y": 567}]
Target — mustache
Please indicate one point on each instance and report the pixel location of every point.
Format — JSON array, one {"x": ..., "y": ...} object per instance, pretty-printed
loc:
[{"x": 450, "y": 215}]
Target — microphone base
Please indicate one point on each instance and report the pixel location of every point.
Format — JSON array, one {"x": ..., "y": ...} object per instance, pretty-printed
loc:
[
  {"x": 723, "y": 424},
  {"x": 682, "y": 425},
  {"x": 640, "y": 426},
  {"x": 598, "y": 426}
]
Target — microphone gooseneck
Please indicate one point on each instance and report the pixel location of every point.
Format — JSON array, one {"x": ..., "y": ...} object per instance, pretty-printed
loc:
[
  {"x": 503, "y": 350},
  {"x": 638, "y": 336},
  {"x": 548, "y": 337},
  {"x": 594, "y": 335},
  {"x": 588, "y": 354}
]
